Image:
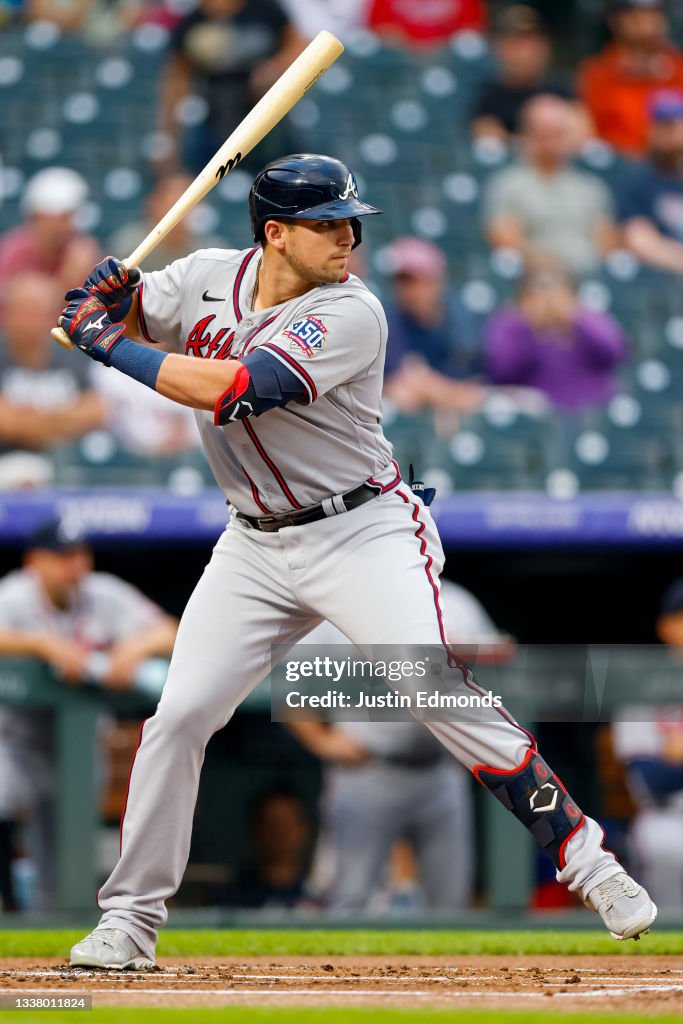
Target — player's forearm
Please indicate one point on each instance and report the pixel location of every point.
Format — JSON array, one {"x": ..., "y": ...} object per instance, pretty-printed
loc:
[
  {"x": 198, "y": 383},
  {"x": 18, "y": 643},
  {"x": 154, "y": 642}
]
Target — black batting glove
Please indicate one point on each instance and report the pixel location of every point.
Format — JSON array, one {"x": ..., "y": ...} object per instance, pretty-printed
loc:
[
  {"x": 114, "y": 284},
  {"x": 87, "y": 322}
]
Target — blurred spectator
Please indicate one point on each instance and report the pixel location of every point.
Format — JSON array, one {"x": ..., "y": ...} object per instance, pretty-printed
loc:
[
  {"x": 46, "y": 398},
  {"x": 179, "y": 242},
  {"x": 407, "y": 23},
  {"x": 651, "y": 200},
  {"x": 433, "y": 353},
  {"x": 650, "y": 742},
  {"x": 341, "y": 17},
  {"x": 542, "y": 201},
  {"x": 99, "y": 21},
  {"x": 617, "y": 84},
  {"x": 281, "y": 835},
  {"x": 229, "y": 52},
  {"x": 48, "y": 240},
  {"x": 522, "y": 49},
  {"x": 142, "y": 421},
  {"x": 549, "y": 342},
  {"x": 87, "y": 626},
  {"x": 386, "y": 781}
]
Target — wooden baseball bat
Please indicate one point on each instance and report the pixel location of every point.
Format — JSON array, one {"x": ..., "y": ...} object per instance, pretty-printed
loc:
[{"x": 311, "y": 63}]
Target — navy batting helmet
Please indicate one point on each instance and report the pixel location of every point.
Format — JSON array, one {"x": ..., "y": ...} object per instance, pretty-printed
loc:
[{"x": 306, "y": 186}]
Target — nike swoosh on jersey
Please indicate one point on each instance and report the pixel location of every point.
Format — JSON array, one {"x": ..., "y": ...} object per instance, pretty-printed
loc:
[{"x": 210, "y": 298}]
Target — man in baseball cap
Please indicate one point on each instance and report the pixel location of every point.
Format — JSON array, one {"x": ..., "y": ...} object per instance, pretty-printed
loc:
[
  {"x": 49, "y": 241},
  {"x": 523, "y": 52},
  {"x": 617, "y": 84},
  {"x": 432, "y": 354}
]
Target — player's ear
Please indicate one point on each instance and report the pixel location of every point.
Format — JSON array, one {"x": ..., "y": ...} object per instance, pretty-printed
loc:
[{"x": 274, "y": 232}]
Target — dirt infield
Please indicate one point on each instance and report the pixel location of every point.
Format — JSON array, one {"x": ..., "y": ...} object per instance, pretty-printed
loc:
[{"x": 648, "y": 984}]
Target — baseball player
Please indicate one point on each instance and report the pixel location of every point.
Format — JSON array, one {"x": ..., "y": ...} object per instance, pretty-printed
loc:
[
  {"x": 86, "y": 625},
  {"x": 280, "y": 350}
]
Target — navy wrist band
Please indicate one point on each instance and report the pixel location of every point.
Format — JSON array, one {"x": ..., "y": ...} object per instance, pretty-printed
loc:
[{"x": 137, "y": 361}]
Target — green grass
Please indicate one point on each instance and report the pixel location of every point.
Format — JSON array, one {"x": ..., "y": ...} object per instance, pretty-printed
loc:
[
  {"x": 360, "y": 943},
  {"x": 321, "y": 1015}
]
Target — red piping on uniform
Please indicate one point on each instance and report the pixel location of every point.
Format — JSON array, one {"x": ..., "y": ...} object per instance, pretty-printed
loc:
[
  {"x": 428, "y": 565},
  {"x": 271, "y": 465},
  {"x": 238, "y": 282},
  {"x": 444, "y": 640},
  {"x": 387, "y": 487},
  {"x": 561, "y": 854},
  {"x": 141, "y": 317},
  {"x": 295, "y": 366},
  {"x": 504, "y": 771},
  {"x": 130, "y": 772},
  {"x": 255, "y": 493},
  {"x": 602, "y": 843}
]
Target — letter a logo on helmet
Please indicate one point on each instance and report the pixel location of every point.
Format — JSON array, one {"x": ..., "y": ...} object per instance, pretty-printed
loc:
[
  {"x": 351, "y": 188},
  {"x": 306, "y": 186}
]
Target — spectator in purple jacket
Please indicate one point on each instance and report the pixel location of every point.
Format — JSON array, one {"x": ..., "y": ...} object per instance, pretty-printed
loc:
[{"x": 549, "y": 342}]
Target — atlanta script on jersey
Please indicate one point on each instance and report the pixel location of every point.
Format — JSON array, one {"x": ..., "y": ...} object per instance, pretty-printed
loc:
[{"x": 333, "y": 339}]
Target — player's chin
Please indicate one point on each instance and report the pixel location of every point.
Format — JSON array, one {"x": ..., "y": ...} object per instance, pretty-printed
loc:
[{"x": 335, "y": 270}]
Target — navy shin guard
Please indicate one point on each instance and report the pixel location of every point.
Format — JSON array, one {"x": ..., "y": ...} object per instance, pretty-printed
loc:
[{"x": 538, "y": 799}]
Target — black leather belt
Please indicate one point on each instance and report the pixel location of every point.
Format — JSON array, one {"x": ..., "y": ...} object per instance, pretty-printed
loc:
[{"x": 340, "y": 503}]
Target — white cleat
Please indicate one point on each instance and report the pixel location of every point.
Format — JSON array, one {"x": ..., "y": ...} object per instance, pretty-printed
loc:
[
  {"x": 110, "y": 949},
  {"x": 624, "y": 906}
]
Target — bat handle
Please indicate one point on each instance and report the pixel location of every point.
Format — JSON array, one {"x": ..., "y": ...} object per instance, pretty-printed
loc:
[{"x": 61, "y": 337}]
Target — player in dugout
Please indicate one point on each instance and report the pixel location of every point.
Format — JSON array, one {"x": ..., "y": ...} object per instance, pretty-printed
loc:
[{"x": 87, "y": 626}]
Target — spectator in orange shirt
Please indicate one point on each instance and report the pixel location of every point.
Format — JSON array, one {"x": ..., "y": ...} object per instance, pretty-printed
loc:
[{"x": 617, "y": 84}]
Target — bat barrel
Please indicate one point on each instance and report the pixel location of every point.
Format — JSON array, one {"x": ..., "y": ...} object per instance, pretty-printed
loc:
[{"x": 311, "y": 63}]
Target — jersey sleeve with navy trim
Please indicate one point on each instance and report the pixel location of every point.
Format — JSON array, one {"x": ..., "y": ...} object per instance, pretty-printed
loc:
[{"x": 332, "y": 341}]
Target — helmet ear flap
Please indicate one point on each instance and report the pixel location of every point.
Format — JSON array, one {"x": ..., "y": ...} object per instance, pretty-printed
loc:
[{"x": 357, "y": 232}]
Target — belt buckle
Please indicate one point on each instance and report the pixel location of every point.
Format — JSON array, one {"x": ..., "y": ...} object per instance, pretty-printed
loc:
[{"x": 265, "y": 521}]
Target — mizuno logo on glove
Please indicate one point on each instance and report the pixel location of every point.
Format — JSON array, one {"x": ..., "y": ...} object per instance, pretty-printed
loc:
[{"x": 96, "y": 325}]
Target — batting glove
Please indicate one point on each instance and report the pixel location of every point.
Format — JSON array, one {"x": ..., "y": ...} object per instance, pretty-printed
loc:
[
  {"x": 86, "y": 320},
  {"x": 114, "y": 284},
  {"x": 417, "y": 487}
]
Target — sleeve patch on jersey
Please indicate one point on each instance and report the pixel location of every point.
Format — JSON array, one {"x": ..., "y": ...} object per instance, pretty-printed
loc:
[{"x": 307, "y": 334}]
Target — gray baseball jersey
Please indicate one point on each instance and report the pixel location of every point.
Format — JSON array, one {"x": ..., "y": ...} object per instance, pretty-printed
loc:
[{"x": 333, "y": 339}]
